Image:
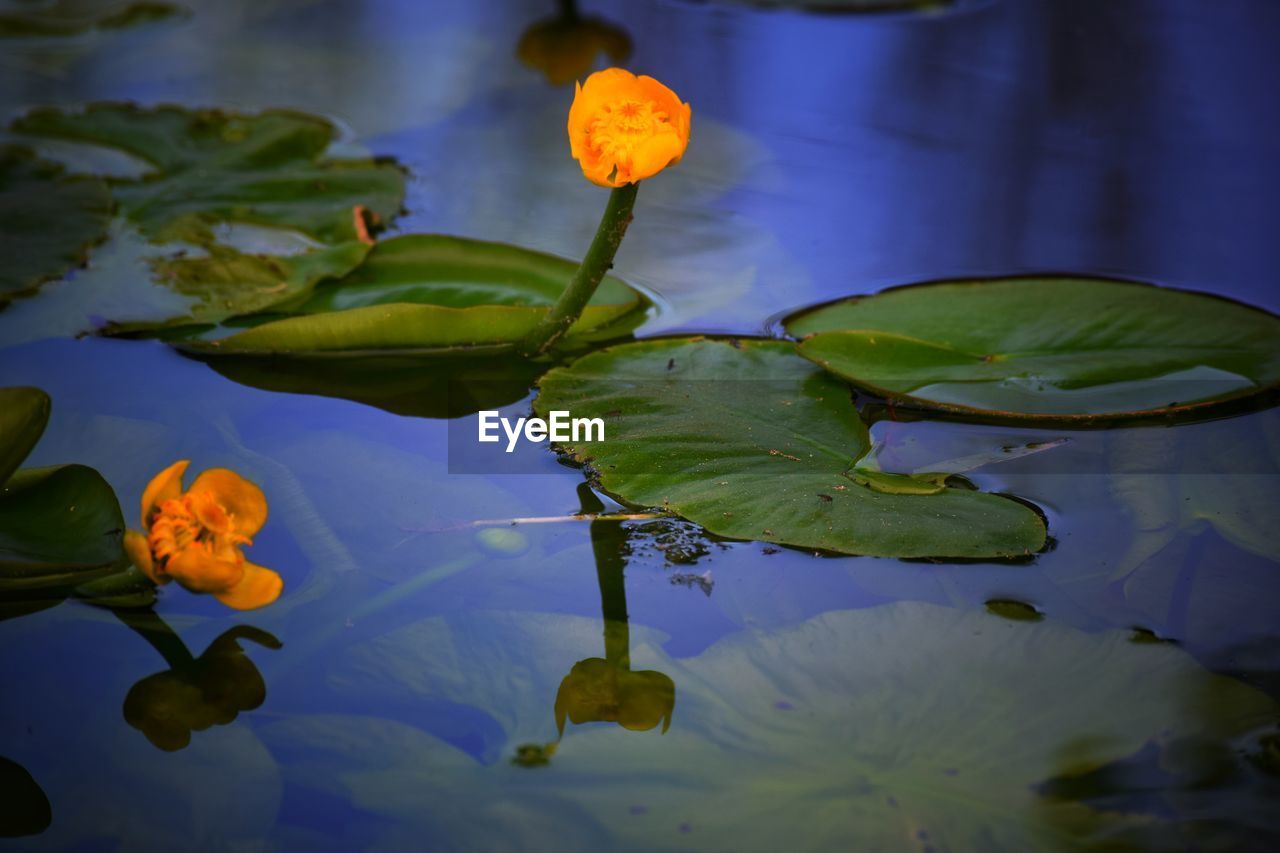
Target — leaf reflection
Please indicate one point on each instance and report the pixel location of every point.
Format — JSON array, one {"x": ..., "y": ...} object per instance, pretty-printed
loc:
[{"x": 194, "y": 693}]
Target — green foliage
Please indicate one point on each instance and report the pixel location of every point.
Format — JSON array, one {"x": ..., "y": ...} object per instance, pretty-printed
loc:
[
  {"x": 48, "y": 220},
  {"x": 59, "y": 526},
  {"x": 1072, "y": 350},
  {"x": 24, "y": 412},
  {"x": 429, "y": 294},
  {"x": 228, "y": 283},
  {"x": 215, "y": 166},
  {"x": 752, "y": 442}
]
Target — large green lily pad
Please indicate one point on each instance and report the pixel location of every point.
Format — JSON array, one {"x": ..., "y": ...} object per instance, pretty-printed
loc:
[
  {"x": 1059, "y": 349},
  {"x": 48, "y": 220},
  {"x": 59, "y": 526},
  {"x": 853, "y": 729},
  {"x": 215, "y": 166},
  {"x": 429, "y": 294},
  {"x": 753, "y": 442},
  {"x": 72, "y": 17}
]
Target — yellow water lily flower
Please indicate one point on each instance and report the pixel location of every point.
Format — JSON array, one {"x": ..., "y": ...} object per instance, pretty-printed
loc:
[
  {"x": 564, "y": 49},
  {"x": 624, "y": 128},
  {"x": 194, "y": 537}
]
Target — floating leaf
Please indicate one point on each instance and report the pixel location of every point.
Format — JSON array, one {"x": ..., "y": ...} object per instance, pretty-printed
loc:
[
  {"x": 1067, "y": 349},
  {"x": 228, "y": 283},
  {"x": 214, "y": 167},
  {"x": 48, "y": 220},
  {"x": 24, "y": 412},
  {"x": 59, "y": 527},
  {"x": 430, "y": 294},
  {"x": 752, "y": 442},
  {"x": 72, "y": 17},
  {"x": 874, "y": 724}
]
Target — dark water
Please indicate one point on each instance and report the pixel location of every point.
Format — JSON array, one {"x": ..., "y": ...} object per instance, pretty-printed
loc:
[{"x": 818, "y": 702}]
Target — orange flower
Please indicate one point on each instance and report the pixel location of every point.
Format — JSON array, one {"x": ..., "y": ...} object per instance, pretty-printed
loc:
[
  {"x": 624, "y": 128},
  {"x": 194, "y": 537},
  {"x": 564, "y": 49}
]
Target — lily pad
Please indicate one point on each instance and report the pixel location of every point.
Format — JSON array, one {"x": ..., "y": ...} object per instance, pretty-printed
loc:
[
  {"x": 214, "y": 166},
  {"x": 59, "y": 527},
  {"x": 73, "y": 17},
  {"x": 430, "y": 294},
  {"x": 228, "y": 283},
  {"x": 753, "y": 442},
  {"x": 1056, "y": 349},
  {"x": 24, "y": 412},
  {"x": 48, "y": 220}
]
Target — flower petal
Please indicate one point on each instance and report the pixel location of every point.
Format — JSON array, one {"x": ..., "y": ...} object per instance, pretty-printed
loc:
[
  {"x": 655, "y": 154},
  {"x": 259, "y": 587},
  {"x": 164, "y": 486},
  {"x": 198, "y": 571},
  {"x": 242, "y": 499},
  {"x": 139, "y": 551}
]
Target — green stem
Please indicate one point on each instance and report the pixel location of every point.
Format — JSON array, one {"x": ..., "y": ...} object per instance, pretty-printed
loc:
[
  {"x": 568, "y": 10},
  {"x": 599, "y": 259}
]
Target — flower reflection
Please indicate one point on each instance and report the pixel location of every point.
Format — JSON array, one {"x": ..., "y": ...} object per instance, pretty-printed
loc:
[
  {"x": 195, "y": 692},
  {"x": 194, "y": 537},
  {"x": 607, "y": 690},
  {"x": 564, "y": 48},
  {"x": 598, "y": 690}
]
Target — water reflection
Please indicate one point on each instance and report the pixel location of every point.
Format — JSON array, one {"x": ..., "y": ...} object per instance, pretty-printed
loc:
[
  {"x": 608, "y": 690},
  {"x": 194, "y": 693},
  {"x": 564, "y": 47},
  {"x": 24, "y": 808}
]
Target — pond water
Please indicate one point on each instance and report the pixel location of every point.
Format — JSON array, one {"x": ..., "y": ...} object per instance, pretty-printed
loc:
[{"x": 424, "y": 647}]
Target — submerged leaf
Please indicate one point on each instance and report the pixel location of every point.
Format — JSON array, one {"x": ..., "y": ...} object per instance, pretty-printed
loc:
[
  {"x": 48, "y": 220},
  {"x": 752, "y": 442},
  {"x": 871, "y": 725},
  {"x": 1074, "y": 350}
]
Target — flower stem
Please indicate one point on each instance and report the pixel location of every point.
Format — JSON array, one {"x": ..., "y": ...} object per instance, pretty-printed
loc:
[{"x": 568, "y": 308}]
